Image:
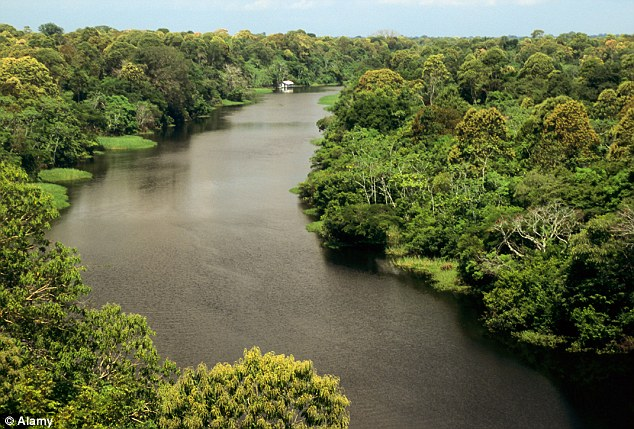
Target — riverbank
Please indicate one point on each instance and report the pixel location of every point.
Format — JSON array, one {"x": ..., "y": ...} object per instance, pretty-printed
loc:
[
  {"x": 129, "y": 142},
  {"x": 54, "y": 179},
  {"x": 63, "y": 175},
  {"x": 329, "y": 100},
  {"x": 442, "y": 273},
  {"x": 58, "y": 193}
]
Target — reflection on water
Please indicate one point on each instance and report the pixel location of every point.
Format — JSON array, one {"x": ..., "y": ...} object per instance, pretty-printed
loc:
[{"x": 202, "y": 236}]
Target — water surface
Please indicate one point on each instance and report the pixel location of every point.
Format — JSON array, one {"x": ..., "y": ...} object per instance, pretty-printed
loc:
[{"x": 202, "y": 237}]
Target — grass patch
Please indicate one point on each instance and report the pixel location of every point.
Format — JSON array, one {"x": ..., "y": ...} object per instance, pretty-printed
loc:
[
  {"x": 263, "y": 90},
  {"x": 61, "y": 175},
  {"x": 329, "y": 100},
  {"x": 315, "y": 227},
  {"x": 57, "y": 192},
  {"x": 125, "y": 143},
  {"x": 443, "y": 273},
  {"x": 312, "y": 212},
  {"x": 227, "y": 103}
]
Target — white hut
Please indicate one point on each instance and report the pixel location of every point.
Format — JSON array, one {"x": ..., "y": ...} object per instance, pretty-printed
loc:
[{"x": 286, "y": 85}]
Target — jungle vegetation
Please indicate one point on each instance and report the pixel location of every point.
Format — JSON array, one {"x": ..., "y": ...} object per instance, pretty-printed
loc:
[{"x": 508, "y": 157}]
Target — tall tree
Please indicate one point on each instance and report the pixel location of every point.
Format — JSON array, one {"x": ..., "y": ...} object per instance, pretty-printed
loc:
[
  {"x": 568, "y": 137},
  {"x": 263, "y": 391},
  {"x": 482, "y": 139},
  {"x": 435, "y": 74}
]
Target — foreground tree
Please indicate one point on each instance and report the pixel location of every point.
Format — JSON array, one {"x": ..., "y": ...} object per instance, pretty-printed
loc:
[
  {"x": 84, "y": 367},
  {"x": 259, "y": 391}
]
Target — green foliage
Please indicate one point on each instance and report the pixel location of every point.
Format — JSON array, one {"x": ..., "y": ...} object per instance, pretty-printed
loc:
[
  {"x": 263, "y": 391},
  {"x": 623, "y": 137},
  {"x": 511, "y": 191},
  {"x": 528, "y": 296},
  {"x": 51, "y": 29},
  {"x": 116, "y": 115},
  {"x": 358, "y": 224},
  {"x": 538, "y": 65},
  {"x": 482, "y": 140},
  {"x": 432, "y": 121},
  {"x": 407, "y": 62},
  {"x": 601, "y": 284},
  {"x": 84, "y": 367},
  {"x": 473, "y": 78},
  {"x": 381, "y": 100},
  {"x": 25, "y": 78},
  {"x": 435, "y": 74},
  {"x": 40, "y": 127},
  {"x": 568, "y": 137}
]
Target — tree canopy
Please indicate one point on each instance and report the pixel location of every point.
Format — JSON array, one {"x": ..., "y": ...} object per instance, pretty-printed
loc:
[{"x": 512, "y": 162}]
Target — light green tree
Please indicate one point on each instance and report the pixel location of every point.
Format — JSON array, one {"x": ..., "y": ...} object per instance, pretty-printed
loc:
[
  {"x": 25, "y": 78},
  {"x": 538, "y": 65},
  {"x": 258, "y": 391},
  {"x": 435, "y": 74},
  {"x": 567, "y": 138},
  {"x": 623, "y": 137},
  {"x": 482, "y": 139}
]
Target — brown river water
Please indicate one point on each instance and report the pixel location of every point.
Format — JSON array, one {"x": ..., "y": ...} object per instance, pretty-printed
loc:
[{"x": 202, "y": 236}]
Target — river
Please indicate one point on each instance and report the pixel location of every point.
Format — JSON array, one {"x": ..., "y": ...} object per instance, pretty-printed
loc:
[{"x": 202, "y": 236}]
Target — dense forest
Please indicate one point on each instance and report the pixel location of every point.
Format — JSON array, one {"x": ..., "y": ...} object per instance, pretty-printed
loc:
[
  {"x": 58, "y": 91},
  {"x": 508, "y": 160}
]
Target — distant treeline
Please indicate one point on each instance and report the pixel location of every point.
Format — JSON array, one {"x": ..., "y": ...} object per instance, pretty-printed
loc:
[{"x": 58, "y": 90}]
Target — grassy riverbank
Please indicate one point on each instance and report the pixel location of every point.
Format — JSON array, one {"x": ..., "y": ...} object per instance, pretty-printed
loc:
[
  {"x": 57, "y": 192},
  {"x": 227, "y": 103},
  {"x": 256, "y": 91},
  {"x": 329, "y": 100},
  {"x": 63, "y": 175},
  {"x": 443, "y": 273},
  {"x": 125, "y": 143},
  {"x": 54, "y": 177}
]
